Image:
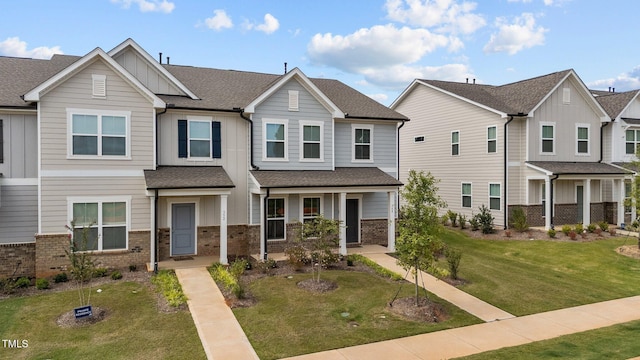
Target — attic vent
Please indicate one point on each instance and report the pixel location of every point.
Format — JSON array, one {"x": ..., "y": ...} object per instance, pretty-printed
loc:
[
  {"x": 566, "y": 95},
  {"x": 293, "y": 100},
  {"x": 99, "y": 85},
  {"x": 418, "y": 139}
]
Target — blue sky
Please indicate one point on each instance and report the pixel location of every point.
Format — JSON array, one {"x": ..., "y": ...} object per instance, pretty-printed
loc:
[{"x": 375, "y": 46}]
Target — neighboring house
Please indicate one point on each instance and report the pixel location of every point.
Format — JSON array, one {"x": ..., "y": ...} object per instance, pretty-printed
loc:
[
  {"x": 621, "y": 139},
  {"x": 550, "y": 161},
  {"x": 164, "y": 161}
]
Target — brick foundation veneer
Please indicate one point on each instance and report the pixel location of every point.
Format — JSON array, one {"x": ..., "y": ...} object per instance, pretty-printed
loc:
[
  {"x": 238, "y": 241},
  {"x": 568, "y": 213},
  {"x": 51, "y": 258},
  {"x": 374, "y": 231},
  {"x": 17, "y": 260}
]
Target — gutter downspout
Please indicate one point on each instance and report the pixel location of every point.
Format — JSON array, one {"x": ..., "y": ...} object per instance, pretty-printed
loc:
[
  {"x": 253, "y": 166},
  {"x": 506, "y": 166},
  {"x": 266, "y": 229},
  {"x": 555, "y": 176},
  {"x": 602, "y": 141},
  {"x": 155, "y": 197}
]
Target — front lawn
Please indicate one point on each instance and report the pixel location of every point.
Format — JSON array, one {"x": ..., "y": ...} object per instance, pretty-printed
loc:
[
  {"x": 133, "y": 328},
  {"x": 289, "y": 321},
  {"x": 531, "y": 276}
]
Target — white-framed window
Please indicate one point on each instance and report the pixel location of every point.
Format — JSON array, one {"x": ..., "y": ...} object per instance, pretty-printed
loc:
[
  {"x": 104, "y": 220},
  {"x": 495, "y": 196},
  {"x": 418, "y": 139},
  {"x": 543, "y": 198},
  {"x": 632, "y": 141},
  {"x": 98, "y": 134},
  {"x": 455, "y": 143},
  {"x": 199, "y": 139},
  {"x": 548, "y": 138},
  {"x": 582, "y": 139},
  {"x": 466, "y": 195},
  {"x": 294, "y": 100},
  {"x": 492, "y": 139},
  {"x": 628, "y": 186},
  {"x": 310, "y": 206},
  {"x": 275, "y": 140},
  {"x": 311, "y": 140},
  {"x": 362, "y": 143},
  {"x": 276, "y": 218}
]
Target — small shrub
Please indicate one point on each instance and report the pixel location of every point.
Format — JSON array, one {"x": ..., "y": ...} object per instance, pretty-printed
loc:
[
  {"x": 474, "y": 223},
  {"x": 60, "y": 278},
  {"x": 42, "y": 284},
  {"x": 579, "y": 228},
  {"x": 100, "y": 272},
  {"x": 238, "y": 267},
  {"x": 453, "y": 217},
  {"x": 598, "y": 231},
  {"x": 116, "y": 275},
  {"x": 612, "y": 231},
  {"x": 167, "y": 282},
  {"x": 462, "y": 220},
  {"x": 133, "y": 268},
  {"x": 551, "y": 233},
  {"x": 453, "y": 260},
  {"x": 592, "y": 227},
  {"x": 572, "y": 235},
  {"x": 603, "y": 225},
  {"x": 519, "y": 220},
  {"x": 444, "y": 220},
  {"x": 297, "y": 256},
  {"x": 583, "y": 234},
  {"x": 22, "y": 282},
  {"x": 485, "y": 220},
  {"x": 566, "y": 229},
  {"x": 227, "y": 279}
]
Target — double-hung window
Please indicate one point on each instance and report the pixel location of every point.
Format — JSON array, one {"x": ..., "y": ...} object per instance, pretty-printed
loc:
[
  {"x": 494, "y": 196},
  {"x": 362, "y": 142},
  {"x": 582, "y": 139},
  {"x": 311, "y": 137},
  {"x": 455, "y": 143},
  {"x": 466, "y": 195},
  {"x": 628, "y": 185},
  {"x": 492, "y": 139},
  {"x": 275, "y": 140},
  {"x": 310, "y": 208},
  {"x": 96, "y": 133},
  {"x": 547, "y": 132},
  {"x": 276, "y": 219},
  {"x": 632, "y": 141},
  {"x": 199, "y": 138},
  {"x": 543, "y": 198},
  {"x": 99, "y": 225}
]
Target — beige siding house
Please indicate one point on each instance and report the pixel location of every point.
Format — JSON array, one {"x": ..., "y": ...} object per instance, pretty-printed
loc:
[{"x": 534, "y": 144}]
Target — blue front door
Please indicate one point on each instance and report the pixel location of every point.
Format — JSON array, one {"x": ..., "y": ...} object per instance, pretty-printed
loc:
[{"x": 183, "y": 229}]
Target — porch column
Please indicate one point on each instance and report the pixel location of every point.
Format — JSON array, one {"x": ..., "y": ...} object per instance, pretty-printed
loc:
[
  {"x": 343, "y": 223},
  {"x": 547, "y": 203},
  {"x": 262, "y": 226},
  {"x": 223, "y": 230},
  {"x": 621, "y": 194},
  {"x": 391, "y": 222},
  {"x": 586, "y": 205},
  {"x": 152, "y": 235}
]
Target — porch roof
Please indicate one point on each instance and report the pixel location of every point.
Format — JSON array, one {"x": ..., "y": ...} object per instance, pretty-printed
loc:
[
  {"x": 340, "y": 177},
  {"x": 578, "y": 168},
  {"x": 187, "y": 177}
]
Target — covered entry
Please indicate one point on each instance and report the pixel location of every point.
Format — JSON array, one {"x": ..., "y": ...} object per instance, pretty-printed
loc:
[{"x": 183, "y": 229}]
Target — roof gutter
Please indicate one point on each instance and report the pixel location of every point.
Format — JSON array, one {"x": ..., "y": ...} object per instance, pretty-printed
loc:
[
  {"x": 398, "y": 151},
  {"x": 506, "y": 168},
  {"x": 241, "y": 112},
  {"x": 602, "y": 141},
  {"x": 347, "y": 116},
  {"x": 155, "y": 197}
]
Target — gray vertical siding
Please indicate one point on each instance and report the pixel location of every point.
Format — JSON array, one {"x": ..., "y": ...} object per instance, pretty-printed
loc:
[
  {"x": 375, "y": 205},
  {"x": 20, "y": 146},
  {"x": 146, "y": 74},
  {"x": 18, "y": 213}
]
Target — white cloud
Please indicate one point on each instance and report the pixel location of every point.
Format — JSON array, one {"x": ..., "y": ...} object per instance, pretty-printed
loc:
[
  {"x": 444, "y": 15},
  {"x": 148, "y": 5},
  {"x": 376, "y": 47},
  {"x": 381, "y": 98},
  {"x": 397, "y": 77},
  {"x": 517, "y": 36},
  {"x": 525, "y": 1},
  {"x": 270, "y": 25},
  {"x": 13, "y": 46},
  {"x": 220, "y": 20},
  {"x": 623, "y": 82}
]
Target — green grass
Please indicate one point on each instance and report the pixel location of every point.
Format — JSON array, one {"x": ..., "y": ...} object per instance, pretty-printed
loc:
[
  {"x": 614, "y": 342},
  {"x": 526, "y": 277},
  {"x": 289, "y": 321},
  {"x": 134, "y": 329}
]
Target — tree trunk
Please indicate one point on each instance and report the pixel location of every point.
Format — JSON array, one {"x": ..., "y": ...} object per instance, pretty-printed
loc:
[{"x": 416, "y": 278}]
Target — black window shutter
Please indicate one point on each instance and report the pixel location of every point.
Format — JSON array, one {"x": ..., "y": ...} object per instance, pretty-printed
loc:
[
  {"x": 1, "y": 143},
  {"x": 216, "y": 143},
  {"x": 182, "y": 138}
]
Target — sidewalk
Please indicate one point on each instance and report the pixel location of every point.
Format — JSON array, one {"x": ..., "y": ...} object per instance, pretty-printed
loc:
[
  {"x": 219, "y": 331},
  {"x": 479, "y": 338}
]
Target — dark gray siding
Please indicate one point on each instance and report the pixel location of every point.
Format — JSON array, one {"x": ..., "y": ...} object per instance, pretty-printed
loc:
[{"x": 19, "y": 213}]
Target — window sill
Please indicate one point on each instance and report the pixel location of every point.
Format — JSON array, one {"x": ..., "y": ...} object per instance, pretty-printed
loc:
[
  {"x": 362, "y": 161},
  {"x": 275, "y": 159},
  {"x": 276, "y": 240},
  {"x": 97, "y": 157},
  {"x": 312, "y": 160}
]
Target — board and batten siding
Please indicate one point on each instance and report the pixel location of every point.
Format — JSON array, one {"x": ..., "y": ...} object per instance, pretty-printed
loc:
[
  {"x": 208, "y": 210},
  {"x": 20, "y": 146},
  {"x": 234, "y": 160},
  {"x": 76, "y": 93},
  {"x": 146, "y": 74},
  {"x": 618, "y": 137},
  {"x": 516, "y": 154},
  {"x": 435, "y": 115},
  {"x": 383, "y": 146},
  {"x": 18, "y": 213},
  {"x": 276, "y": 107},
  {"x": 565, "y": 116},
  {"x": 56, "y": 191}
]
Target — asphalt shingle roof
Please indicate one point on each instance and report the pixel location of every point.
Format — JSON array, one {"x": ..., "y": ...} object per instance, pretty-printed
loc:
[
  {"x": 578, "y": 168},
  {"x": 614, "y": 103},
  {"x": 513, "y": 98},
  {"x": 342, "y": 176},
  {"x": 187, "y": 177}
]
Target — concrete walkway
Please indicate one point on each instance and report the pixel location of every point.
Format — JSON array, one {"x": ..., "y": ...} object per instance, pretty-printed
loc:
[
  {"x": 479, "y": 338},
  {"x": 220, "y": 333}
]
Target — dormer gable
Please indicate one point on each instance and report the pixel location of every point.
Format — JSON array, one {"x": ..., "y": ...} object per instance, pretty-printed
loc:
[
  {"x": 296, "y": 75},
  {"x": 148, "y": 71}
]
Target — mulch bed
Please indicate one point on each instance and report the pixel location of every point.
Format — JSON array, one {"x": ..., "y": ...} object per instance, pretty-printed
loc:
[
  {"x": 68, "y": 319},
  {"x": 426, "y": 311}
]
